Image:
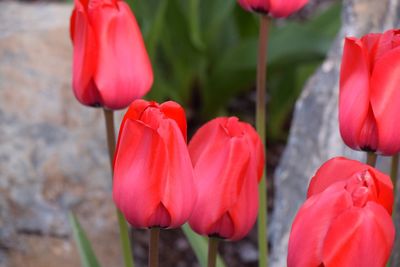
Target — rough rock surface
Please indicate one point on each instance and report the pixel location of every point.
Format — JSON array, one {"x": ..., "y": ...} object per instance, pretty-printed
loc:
[
  {"x": 53, "y": 156},
  {"x": 314, "y": 135}
]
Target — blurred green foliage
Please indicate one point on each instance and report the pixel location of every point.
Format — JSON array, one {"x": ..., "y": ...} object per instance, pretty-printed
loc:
[
  {"x": 87, "y": 256},
  {"x": 204, "y": 53}
]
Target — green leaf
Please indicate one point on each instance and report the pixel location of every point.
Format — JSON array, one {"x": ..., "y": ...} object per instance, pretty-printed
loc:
[
  {"x": 194, "y": 23},
  {"x": 200, "y": 246},
  {"x": 292, "y": 42},
  {"x": 221, "y": 86},
  {"x": 88, "y": 258},
  {"x": 125, "y": 241},
  {"x": 153, "y": 36},
  {"x": 213, "y": 15},
  {"x": 246, "y": 22}
]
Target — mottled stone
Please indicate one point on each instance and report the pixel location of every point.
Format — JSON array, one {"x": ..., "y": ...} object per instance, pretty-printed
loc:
[
  {"x": 53, "y": 154},
  {"x": 314, "y": 135}
]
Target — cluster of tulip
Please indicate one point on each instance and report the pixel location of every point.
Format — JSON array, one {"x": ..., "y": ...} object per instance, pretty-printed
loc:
[
  {"x": 161, "y": 182},
  {"x": 156, "y": 185},
  {"x": 346, "y": 219}
]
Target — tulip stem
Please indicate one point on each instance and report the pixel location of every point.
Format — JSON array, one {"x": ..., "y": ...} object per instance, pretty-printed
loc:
[
  {"x": 260, "y": 126},
  {"x": 371, "y": 159},
  {"x": 123, "y": 227},
  {"x": 394, "y": 171},
  {"x": 109, "y": 116},
  {"x": 153, "y": 246},
  {"x": 212, "y": 251},
  {"x": 393, "y": 175}
]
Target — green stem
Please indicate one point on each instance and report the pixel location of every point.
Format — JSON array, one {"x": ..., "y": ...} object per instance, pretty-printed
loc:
[
  {"x": 153, "y": 246},
  {"x": 212, "y": 251},
  {"x": 394, "y": 171},
  {"x": 371, "y": 159},
  {"x": 393, "y": 175},
  {"x": 123, "y": 227},
  {"x": 260, "y": 125}
]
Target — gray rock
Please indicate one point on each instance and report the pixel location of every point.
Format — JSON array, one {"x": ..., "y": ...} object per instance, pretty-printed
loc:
[
  {"x": 248, "y": 252},
  {"x": 53, "y": 154},
  {"x": 314, "y": 135}
]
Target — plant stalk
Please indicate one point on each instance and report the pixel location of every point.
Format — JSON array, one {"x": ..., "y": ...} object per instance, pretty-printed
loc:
[
  {"x": 371, "y": 159},
  {"x": 212, "y": 251},
  {"x": 394, "y": 171},
  {"x": 393, "y": 175},
  {"x": 261, "y": 129},
  {"x": 153, "y": 246},
  {"x": 123, "y": 227}
]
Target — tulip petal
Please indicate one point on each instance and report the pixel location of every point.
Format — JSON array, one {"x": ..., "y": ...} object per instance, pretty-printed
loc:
[
  {"x": 178, "y": 192},
  {"x": 137, "y": 108},
  {"x": 244, "y": 212},
  {"x": 341, "y": 169},
  {"x": 371, "y": 43},
  {"x": 134, "y": 112},
  {"x": 174, "y": 111},
  {"x": 354, "y": 91},
  {"x": 312, "y": 223},
  {"x": 280, "y": 9},
  {"x": 124, "y": 68},
  {"x": 72, "y": 25},
  {"x": 84, "y": 57},
  {"x": 203, "y": 137},
  {"x": 255, "y": 5},
  {"x": 332, "y": 171},
  {"x": 258, "y": 148},
  {"x": 359, "y": 237},
  {"x": 385, "y": 187},
  {"x": 379, "y": 44},
  {"x": 385, "y": 99},
  {"x": 140, "y": 172},
  {"x": 225, "y": 159}
]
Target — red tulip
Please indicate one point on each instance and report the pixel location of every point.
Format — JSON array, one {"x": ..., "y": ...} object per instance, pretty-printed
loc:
[
  {"x": 346, "y": 219},
  {"x": 369, "y": 100},
  {"x": 153, "y": 174},
  {"x": 228, "y": 161},
  {"x": 275, "y": 8},
  {"x": 342, "y": 169},
  {"x": 111, "y": 67}
]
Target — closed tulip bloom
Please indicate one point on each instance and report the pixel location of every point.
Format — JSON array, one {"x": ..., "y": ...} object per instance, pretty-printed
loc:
[
  {"x": 111, "y": 67},
  {"x": 275, "y": 8},
  {"x": 341, "y": 169},
  {"x": 228, "y": 160},
  {"x": 346, "y": 220},
  {"x": 369, "y": 99},
  {"x": 153, "y": 174}
]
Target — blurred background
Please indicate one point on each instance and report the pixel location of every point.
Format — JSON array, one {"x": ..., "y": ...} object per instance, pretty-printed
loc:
[{"x": 53, "y": 155}]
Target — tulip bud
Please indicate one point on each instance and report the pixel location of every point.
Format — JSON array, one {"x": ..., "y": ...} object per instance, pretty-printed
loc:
[
  {"x": 153, "y": 174},
  {"x": 228, "y": 160},
  {"x": 343, "y": 169},
  {"x": 275, "y": 8},
  {"x": 111, "y": 67},
  {"x": 346, "y": 219},
  {"x": 369, "y": 99}
]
